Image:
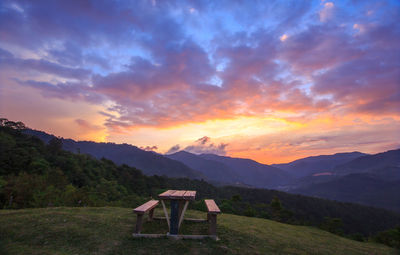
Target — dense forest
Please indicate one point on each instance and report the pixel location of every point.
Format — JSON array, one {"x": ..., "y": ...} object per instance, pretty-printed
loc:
[{"x": 35, "y": 174}]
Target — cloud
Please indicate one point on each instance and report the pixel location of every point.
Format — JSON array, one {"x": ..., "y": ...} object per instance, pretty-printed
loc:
[
  {"x": 204, "y": 145},
  {"x": 149, "y": 148},
  {"x": 283, "y": 37},
  {"x": 152, "y": 64},
  {"x": 173, "y": 149},
  {"x": 203, "y": 140},
  {"x": 86, "y": 126},
  {"x": 327, "y": 12},
  {"x": 8, "y": 61},
  {"x": 341, "y": 134},
  {"x": 73, "y": 91}
]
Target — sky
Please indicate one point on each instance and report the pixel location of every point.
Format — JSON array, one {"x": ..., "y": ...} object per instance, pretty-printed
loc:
[{"x": 272, "y": 81}]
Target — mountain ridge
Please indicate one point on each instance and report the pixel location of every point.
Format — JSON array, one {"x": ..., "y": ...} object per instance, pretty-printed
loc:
[
  {"x": 369, "y": 180},
  {"x": 253, "y": 172},
  {"x": 316, "y": 164},
  {"x": 149, "y": 162}
]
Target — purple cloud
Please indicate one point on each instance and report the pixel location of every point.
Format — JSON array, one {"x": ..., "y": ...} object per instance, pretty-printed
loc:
[
  {"x": 173, "y": 149},
  {"x": 155, "y": 64},
  {"x": 205, "y": 145},
  {"x": 8, "y": 61}
]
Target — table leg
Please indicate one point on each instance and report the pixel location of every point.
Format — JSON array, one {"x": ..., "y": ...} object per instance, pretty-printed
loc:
[
  {"x": 181, "y": 204},
  {"x": 166, "y": 213},
  {"x": 183, "y": 213},
  {"x": 174, "y": 217}
]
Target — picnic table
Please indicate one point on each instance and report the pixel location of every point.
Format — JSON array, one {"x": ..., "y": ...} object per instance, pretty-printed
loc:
[{"x": 179, "y": 201}]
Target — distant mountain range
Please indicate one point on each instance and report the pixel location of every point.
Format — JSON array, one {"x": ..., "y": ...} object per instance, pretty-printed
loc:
[
  {"x": 234, "y": 170},
  {"x": 213, "y": 168},
  {"x": 149, "y": 162},
  {"x": 317, "y": 164},
  {"x": 369, "y": 180},
  {"x": 385, "y": 165},
  {"x": 351, "y": 177},
  {"x": 361, "y": 188}
]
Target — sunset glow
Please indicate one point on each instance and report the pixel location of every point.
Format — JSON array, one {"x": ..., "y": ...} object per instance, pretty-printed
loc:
[{"x": 272, "y": 81}]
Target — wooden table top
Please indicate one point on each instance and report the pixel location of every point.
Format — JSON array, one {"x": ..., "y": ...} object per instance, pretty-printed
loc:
[{"x": 178, "y": 194}]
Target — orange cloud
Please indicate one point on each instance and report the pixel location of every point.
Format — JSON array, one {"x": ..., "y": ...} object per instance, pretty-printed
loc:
[
  {"x": 327, "y": 12},
  {"x": 283, "y": 37}
]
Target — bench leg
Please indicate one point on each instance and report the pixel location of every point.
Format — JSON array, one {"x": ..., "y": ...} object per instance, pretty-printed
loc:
[
  {"x": 151, "y": 213},
  {"x": 213, "y": 224},
  {"x": 139, "y": 222}
]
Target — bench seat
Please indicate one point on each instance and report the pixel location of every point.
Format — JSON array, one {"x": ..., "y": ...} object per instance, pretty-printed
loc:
[
  {"x": 212, "y": 212},
  {"x": 146, "y": 207},
  {"x": 141, "y": 210},
  {"x": 212, "y": 207}
]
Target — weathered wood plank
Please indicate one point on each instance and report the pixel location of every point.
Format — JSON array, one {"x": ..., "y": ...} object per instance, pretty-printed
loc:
[
  {"x": 174, "y": 236},
  {"x": 185, "y": 219},
  {"x": 190, "y": 195},
  {"x": 178, "y": 194},
  {"x": 212, "y": 207},
  {"x": 166, "y": 213},
  {"x": 139, "y": 223},
  {"x": 146, "y": 207},
  {"x": 183, "y": 214},
  {"x": 213, "y": 225},
  {"x": 151, "y": 214},
  {"x": 138, "y": 235},
  {"x": 167, "y": 194},
  {"x": 178, "y": 237}
]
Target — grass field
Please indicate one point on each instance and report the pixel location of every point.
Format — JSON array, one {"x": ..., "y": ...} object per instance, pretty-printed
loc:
[{"x": 108, "y": 230}]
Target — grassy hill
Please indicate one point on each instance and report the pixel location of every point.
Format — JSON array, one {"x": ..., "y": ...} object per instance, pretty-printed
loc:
[{"x": 107, "y": 230}]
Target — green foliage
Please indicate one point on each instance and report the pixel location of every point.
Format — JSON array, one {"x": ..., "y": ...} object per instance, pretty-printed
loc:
[
  {"x": 11, "y": 124},
  {"x": 249, "y": 212},
  {"x": 226, "y": 206},
  {"x": 55, "y": 145},
  {"x": 333, "y": 225},
  {"x": 389, "y": 237},
  {"x": 236, "y": 198},
  {"x": 356, "y": 237},
  {"x": 39, "y": 166},
  {"x": 276, "y": 204}
]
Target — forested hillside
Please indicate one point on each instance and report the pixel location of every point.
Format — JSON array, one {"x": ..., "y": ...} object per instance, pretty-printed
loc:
[
  {"x": 234, "y": 170},
  {"x": 317, "y": 164},
  {"x": 148, "y": 162},
  {"x": 370, "y": 180},
  {"x": 33, "y": 174},
  {"x": 358, "y": 188}
]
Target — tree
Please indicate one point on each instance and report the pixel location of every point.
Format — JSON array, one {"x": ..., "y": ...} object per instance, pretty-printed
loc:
[
  {"x": 276, "y": 204},
  {"x": 389, "y": 237},
  {"x": 11, "y": 124},
  {"x": 55, "y": 145},
  {"x": 236, "y": 198},
  {"x": 333, "y": 225}
]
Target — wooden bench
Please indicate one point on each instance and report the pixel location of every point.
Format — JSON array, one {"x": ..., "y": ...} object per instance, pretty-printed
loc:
[
  {"x": 141, "y": 210},
  {"x": 213, "y": 211}
]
